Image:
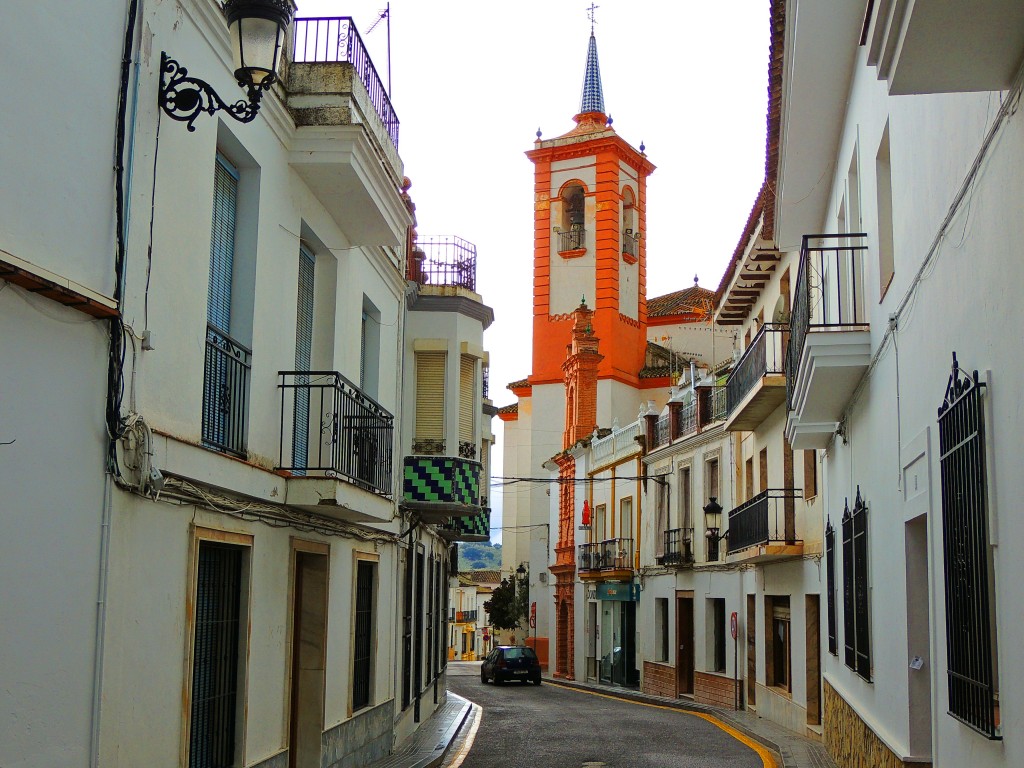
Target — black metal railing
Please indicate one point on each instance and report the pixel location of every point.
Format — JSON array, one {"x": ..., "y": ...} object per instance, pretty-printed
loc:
[
  {"x": 349, "y": 433},
  {"x": 445, "y": 260},
  {"x": 764, "y": 355},
  {"x": 971, "y": 653},
  {"x": 465, "y": 616},
  {"x": 485, "y": 383},
  {"x": 630, "y": 244},
  {"x": 678, "y": 546},
  {"x": 711, "y": 405},
  {"x": 428, "y": 447},
  {"x": 571, "y": 239},
  {"x": 768, "y": 517},
  {"x": 607, "y": 555},
  {"x": 467, "y": 449},
  {"x": 336, "y": 39},
  {"x": 661, "y": 430},
  {"x": 829, "y": 293},
  {"x": 686, "y": 420},
  {"x": 225, "y": 392}
]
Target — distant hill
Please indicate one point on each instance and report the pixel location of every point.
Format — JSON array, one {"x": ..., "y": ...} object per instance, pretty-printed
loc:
[{"x": 479, "y": 557}]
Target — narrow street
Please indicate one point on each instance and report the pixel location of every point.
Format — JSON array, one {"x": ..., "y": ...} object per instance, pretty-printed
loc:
[{"x": 550, "y": 726}]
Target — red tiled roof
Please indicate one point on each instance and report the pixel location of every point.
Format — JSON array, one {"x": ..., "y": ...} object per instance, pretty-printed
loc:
[
  {"x": 518, "y": 384},
  {"x": 514, "y": 408},
  {"x": 692, "y": 299}
]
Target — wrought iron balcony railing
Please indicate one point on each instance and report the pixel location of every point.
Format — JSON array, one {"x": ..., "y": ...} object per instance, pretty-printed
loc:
[
  {"x": 829, "y": 294},
  {"x": 768, "y": 517},
  {"x": 225, "y": 392},
  {"x": 445, "y": 261},
  {"x": 465, "y": 616},
  {"x": 467, "y": 449},
  {"x": 608, "y": 555},
  {"x": 336, "y": 39},
  {"x": 662, "y": 430},
  {"x": 630, "y": 244},
  {"x": 678, "y": 546},
  {"x": 685, "y": 421},
  {"x": 485, "y": 382},
  {"x": 763, "y": 356},
  {"x": 335, "y": 430},
  {"x": 573, "y": 239}
]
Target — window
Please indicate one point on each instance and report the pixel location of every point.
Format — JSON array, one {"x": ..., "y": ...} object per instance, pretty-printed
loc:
[
  {"x": 661, "y": 494},
  {"x": 600, "y": 522},
  {"x": 467, "y": 407},
  {"x": 369, "y": 349},
  {"x": 810, "y": 474},
  {"x": 763, "y": 469},
  {"x": 883, "y": 192},
  {"x": 430, "y": 381},
  {"x": 715, "y": 617},
  {"x": 972, "y": 675},
  {"x": 661, "y": 628},
  {"x": 363, "y": 642},
  {"x": 830, "y": 585},
  {"x": 626, "y": 518},
  {"x": 778, "y": 672},
  {"x": 856, "y": 632},
  {"x": 226, "y": 365},
  {"x": 685, "y": 500},
  {"x": 748, "y": 476},
  {"x": 303, "y": 358},
  {"x": 218, "y": 655},
  {"x": 711, "y": 480},
  {"x": 572, "y": 233}
]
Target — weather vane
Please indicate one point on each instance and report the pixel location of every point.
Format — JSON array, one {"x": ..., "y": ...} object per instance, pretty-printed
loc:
[{"x": 590, "y": 15}]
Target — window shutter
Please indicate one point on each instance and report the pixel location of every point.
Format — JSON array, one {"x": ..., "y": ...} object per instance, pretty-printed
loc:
[
  {"x": 222, "y": 244},
  {"x": 467, "y": 399},
  {"x": 430, "y": 395},
  {"x": 303, "y": 357}
]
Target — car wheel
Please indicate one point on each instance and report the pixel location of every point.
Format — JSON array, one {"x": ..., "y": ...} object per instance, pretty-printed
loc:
[{"x": 483, "y": 677}]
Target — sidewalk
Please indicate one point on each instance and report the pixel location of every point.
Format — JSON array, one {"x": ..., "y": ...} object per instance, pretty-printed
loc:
[
  {"x": 791, "y": 750},
  {"x": 427, "y": 746}
]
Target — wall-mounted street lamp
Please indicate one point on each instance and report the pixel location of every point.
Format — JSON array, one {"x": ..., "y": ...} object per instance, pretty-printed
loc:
[
  {"x": 257, "y": 29},
  {"x": 712, "y": 524}
]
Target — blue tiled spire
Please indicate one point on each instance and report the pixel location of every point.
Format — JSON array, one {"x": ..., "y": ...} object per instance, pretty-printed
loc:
[{"x": 593, "y": 96}]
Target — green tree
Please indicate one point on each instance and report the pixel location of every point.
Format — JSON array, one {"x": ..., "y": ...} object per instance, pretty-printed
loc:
[{"x": 508, "y": 604}]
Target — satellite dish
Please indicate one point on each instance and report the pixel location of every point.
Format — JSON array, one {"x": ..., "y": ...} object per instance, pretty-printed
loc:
[{"x": 781, "y": 314}]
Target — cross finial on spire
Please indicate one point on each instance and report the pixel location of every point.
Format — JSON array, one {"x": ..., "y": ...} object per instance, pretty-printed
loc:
[{"x": 590, "y": 15}]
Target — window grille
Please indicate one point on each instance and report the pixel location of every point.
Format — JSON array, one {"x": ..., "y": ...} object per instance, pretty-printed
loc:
[
  {"x": 215, "y": 657},
  {"x": 363, "y": 645},
  {"x": 856, "y": 627},
  {"x": 830, "y": 579},
  {"x": 970, "y": 634}
]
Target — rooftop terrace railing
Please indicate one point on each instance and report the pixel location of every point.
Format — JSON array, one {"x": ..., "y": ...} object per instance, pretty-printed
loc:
[
  {"x": 444, "y": 260},
  {"x": 336, "y": 39}
]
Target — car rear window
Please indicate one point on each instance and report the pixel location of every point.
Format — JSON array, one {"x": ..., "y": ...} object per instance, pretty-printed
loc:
[{"x": 520, "y": 653}]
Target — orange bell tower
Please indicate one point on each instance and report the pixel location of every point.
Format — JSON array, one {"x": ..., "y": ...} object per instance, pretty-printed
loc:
[{"x": 590, "y": 194}]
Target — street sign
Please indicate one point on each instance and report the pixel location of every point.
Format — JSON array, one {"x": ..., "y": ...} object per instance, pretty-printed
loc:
[
  {"x": 733, "y": 625},
  {"x": 533, "y": 615}
]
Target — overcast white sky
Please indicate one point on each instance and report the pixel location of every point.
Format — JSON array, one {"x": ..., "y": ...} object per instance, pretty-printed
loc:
[{"x": 472, "y": 81}]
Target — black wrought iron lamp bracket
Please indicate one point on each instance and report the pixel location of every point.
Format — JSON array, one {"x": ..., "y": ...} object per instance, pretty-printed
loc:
[{"x": 184, "y": 98}]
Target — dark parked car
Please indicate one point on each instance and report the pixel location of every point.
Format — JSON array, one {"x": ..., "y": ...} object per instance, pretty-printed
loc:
[{"x": 510, "y": 662}]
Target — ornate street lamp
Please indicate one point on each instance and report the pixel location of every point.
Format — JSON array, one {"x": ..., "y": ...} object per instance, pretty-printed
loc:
[
  {"x": 712, "y": 524},
  {"x": 257, "y": 29}
]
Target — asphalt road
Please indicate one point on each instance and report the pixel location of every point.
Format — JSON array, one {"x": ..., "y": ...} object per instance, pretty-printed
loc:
[{"x": 548, "y": 726}]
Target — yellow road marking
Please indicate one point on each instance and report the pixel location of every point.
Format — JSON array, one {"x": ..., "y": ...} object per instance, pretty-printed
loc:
[{"x": 767, "y": 760}]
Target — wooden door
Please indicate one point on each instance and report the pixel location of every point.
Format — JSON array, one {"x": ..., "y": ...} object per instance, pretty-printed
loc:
[{"x": 684, "y": 646}]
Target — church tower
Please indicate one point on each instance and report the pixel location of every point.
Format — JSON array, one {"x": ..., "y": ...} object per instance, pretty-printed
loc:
[{"x": 590, "y": 190}]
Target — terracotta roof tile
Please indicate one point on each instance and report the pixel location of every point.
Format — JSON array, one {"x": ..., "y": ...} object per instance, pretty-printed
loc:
[
  {"x": 514, "y": 408},
  {"x": 518, "y": 384},
  {"x": 692, "y": 299}
]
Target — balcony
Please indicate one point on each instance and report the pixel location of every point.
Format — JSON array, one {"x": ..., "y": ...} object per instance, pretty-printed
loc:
[
  {"x": 337, "y": 443},
  {"x": 345, "y": 145},
  {"x": 620, "y": 444},
  {"x": 678, "y": 547},
  {"x": 475, "y": 527},
  {"x": 465, "y": 617},
  {"x": 712, "y": 405},
  {"x": 946, "y": 46},
  {"x": 611, "y": 559},
  {"x": 764, "y": 528},
  {"x": 442, "y": 487},
  {"x": 630, "y": 247},
  {"x": 572, "y": 242},
  {"x": 444, "y": 261},
  {"x": 830, "y": 343},
  {"x": 757, "y": 385},
  {"x": 225, "y": 393}
]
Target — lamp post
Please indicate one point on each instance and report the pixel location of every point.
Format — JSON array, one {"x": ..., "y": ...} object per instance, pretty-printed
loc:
[
  {"x": 712, "y": 524},
  {"x": 522, "y": 577},
  {"x": 256, "y": 29}
]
